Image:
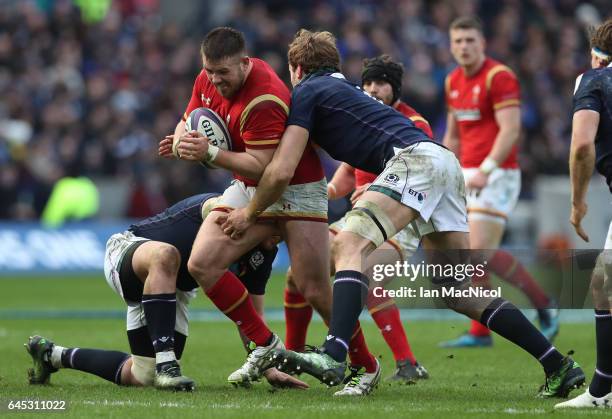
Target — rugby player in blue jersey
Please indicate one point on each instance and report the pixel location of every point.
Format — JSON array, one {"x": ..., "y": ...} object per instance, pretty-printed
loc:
[
  {"x": 419, "y": 183},
  {"x": 592, "y": 148},
  {"x": 147, "y": 266}
]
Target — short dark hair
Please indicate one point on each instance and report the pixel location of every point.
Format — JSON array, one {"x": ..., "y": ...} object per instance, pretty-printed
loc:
[
  {"x": 467, "y": 22},
  {"x": 223, "y": 42},
  {"x": 601, "y": 37}
]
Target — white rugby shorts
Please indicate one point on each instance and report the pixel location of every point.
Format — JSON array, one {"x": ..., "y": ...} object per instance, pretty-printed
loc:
[
  {"x": 305, "y": 201},
  {"x": 116, "y": 247},
  {"x": 427, "y": 178},
  {"x": 496, "y": 200}
]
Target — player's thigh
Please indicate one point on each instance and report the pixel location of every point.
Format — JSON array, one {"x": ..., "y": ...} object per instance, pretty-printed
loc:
[
  {"x": 375, "y": 218},
  {"x": 447, "y": 247},
  {"x": 485, "y": 234},
  {"x": 153, "y": 253},
  {"x": 399, "y": 214},
  {"x": 214, "y": 249},
  {"x": 308, "y": 245},
  {"x": 118, "y": 254}
]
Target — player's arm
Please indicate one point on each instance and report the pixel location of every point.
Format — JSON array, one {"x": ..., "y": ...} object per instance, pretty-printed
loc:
[
  {"x": 261, "y": 127},
  {"x": 581, "y": 163},
  {"x": 342, "y": 183},
  {"x": 451, "y": 136},
  {"x": 504, "y": 91},
  {"x": 275, "y": 179},
  {"x": 280, "y": 171},
  {"x": 509, "y": 122},
  {"x": 250, "y": 163},
  {"x": 167, "y": 146}
]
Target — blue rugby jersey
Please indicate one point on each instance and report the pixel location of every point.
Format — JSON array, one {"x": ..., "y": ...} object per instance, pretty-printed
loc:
[
  {"x": 594, "y": 92},
  {"x": 349, "y": 124},
  {"x": 179, "y": 225}
]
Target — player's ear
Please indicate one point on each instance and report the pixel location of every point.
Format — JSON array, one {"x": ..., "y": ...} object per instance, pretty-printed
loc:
[
  {"x": 299, "y": 72},
  {"x": 244, "y": 61}
]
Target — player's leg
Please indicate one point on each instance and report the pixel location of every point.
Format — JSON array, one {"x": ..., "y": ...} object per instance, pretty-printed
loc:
[
  {"x": 386, "y": 314},
  {"x": 350, "y": 285},
  {"x": 375, "y": 218},
  {"x": 141, "y": 369},
  {"x": 599, "y": 393},
  {"x": 485, "y": 233},
  {"x": 48, "y": 358},
  {"x": 488, "y": 211},
  {"x": 436, "y": 189},
  {"x": 157, "y": 264},
  {"x": 562, "y": 373},
  {"x": 310, "y": 262},
  {"x": 214, "y": 248},
  {"x": 298, "y": 313},
  {"x": 122, "y": 256},
  {"x": 212, "y": 254}
]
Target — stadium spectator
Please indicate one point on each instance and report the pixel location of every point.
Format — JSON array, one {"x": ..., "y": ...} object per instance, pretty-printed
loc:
[{"x": 101, "y": 92}]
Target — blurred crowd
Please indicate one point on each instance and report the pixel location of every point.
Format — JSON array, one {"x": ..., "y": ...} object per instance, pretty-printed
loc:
[{"x": 91, "y": 94}]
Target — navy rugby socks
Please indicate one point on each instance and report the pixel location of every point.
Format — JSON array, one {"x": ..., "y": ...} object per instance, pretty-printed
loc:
[
  {"x": 505, "y": 319},
  {"x": 160, "y": 313},
  {"x": 104, "y": 364},
  {"x": 602, "y": 379},
  {"x": 350, "y": 292}
]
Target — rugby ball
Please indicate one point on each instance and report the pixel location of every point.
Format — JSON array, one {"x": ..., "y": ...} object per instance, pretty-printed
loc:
[{"x": 211, "y": 125}]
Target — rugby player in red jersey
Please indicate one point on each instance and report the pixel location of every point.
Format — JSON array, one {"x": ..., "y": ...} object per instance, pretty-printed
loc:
[
  {"x": 254, "y": 103},
  {"x": 483, "y": 127}
]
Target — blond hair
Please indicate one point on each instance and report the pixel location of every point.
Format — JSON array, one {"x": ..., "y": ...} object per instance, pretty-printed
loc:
[{"x": 313, "y": 50}]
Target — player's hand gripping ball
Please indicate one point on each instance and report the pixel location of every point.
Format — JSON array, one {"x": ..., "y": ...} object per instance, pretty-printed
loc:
[{"x": 208, "y": 123}]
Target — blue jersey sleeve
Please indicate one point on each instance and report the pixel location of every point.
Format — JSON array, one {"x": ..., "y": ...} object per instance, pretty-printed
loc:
[
  {"x": 303, "y": 102},
  {"x": 588, "y": 92}
]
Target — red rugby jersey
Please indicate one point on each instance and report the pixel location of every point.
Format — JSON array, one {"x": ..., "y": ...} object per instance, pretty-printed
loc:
[
  {"x": 473, "y": 101},
  {"x": 362, "y": 177},
  {"x": 255, "y": 116}
]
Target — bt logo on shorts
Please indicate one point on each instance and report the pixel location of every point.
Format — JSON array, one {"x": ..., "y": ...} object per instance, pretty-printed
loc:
[
  {"x": 420, "y": 196},
  {"x": 392, "y": 178}
]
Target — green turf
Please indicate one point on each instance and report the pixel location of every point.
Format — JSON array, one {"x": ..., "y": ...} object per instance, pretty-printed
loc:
[
  {"x": 90, "y": 292},
  {"x": 482, "y": 383},
  {"x": 465, "y": 383}
]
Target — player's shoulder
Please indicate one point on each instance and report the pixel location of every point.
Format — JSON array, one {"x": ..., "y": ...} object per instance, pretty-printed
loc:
[
  {"x": 493, "y": 69},
  {"x": 594, "y": 79},
  {"x": 264, "y": 85},
  {"x": 263, "y": 79},
  {"x": 406, "y": 109}
]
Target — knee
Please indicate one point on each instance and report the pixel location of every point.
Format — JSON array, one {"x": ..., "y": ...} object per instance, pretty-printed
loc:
[
  {"x": 167, "y": 258},
  {"x": 349, "y": 245},
  {"x": 208, "y": 263}
]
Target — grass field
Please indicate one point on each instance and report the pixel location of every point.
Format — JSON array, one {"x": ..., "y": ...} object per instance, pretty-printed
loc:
[{"x": 481, "y": 383}]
